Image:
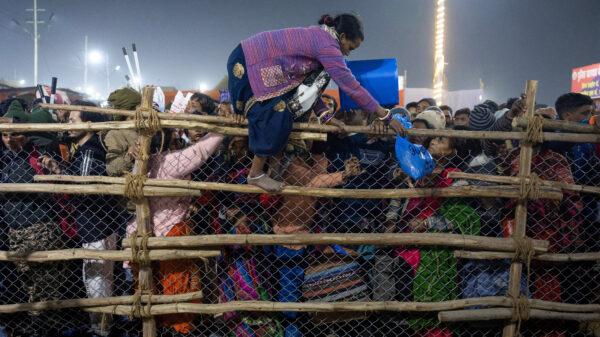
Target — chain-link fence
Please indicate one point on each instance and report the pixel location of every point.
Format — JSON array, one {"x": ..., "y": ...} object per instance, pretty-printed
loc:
[{"x": 300, "y": 273}]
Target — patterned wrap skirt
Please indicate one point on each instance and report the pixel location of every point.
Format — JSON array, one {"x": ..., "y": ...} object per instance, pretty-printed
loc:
[{"x": 269, "y": 121}]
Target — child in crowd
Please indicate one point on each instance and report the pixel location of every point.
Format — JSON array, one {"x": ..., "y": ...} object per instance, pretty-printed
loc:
[{"x": 435, "y": 268}]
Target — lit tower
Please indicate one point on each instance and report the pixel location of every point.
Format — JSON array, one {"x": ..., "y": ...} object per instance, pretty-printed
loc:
[{"x": 438, "y": 55}]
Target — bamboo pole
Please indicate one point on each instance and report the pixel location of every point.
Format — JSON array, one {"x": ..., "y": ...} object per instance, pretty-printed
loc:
[
  {"x": 142, "y": 211},
  {"x": 94, "y": 302},
  {"x": 130, "y": 125},
  {"x": 506, "y": 313},
  {"x": 388, "y": 239},
  {"x": 516, "y": 268},
  {"x": 150, "y": 191},
  {"x": 266, "y": 306},
  {"x": 517, "y": 180},
  {"x": 456, "y": 191},
  {"x": 108, "y": 255},
  {"x": 550, "y": 124},
  {"x": 573, "y": 257}
]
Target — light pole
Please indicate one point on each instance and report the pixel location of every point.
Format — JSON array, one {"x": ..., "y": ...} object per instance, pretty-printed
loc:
[
  {"x": 35, "y": 35},
  {"x": 438, "y": 56},
  {"x": 108, "y": 71},
  {"x": 85, "y": 61}
]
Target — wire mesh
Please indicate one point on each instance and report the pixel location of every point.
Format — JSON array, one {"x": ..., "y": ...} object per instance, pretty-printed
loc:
[{"x": 328, "y": 273}]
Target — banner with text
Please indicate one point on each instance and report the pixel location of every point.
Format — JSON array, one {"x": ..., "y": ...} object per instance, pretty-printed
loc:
[{"x": 586, "y": 80}]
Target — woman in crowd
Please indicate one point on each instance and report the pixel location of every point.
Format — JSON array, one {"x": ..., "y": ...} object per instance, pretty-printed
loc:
[
  {"x": 264, "y": 71},
  {"x": 168, "y": 217}
]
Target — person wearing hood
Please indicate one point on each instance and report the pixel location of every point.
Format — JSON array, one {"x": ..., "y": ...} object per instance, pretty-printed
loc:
[
  {"x": 120, "y": 143},
  {"x": 96, "y": 223}
]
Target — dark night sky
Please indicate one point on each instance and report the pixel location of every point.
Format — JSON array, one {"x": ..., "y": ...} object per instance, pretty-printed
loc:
[{"x": 182, "y": 43}]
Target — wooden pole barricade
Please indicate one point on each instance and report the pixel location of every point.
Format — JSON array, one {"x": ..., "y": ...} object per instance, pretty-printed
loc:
[
  {"x": 108, "y": 255},
  {"x": 547, "y": 125},
  {"x": 549, "y": 257},
  {"x": 142, "y": 209},
  {"x": 147, "y": 248},
  {"x": 457, "y": 191},
  {"x": 516, "y": 267},
  {"x": 551, "y": 124},
  {"x": 388, "y": 239},
  {"x": 517, "y": 180},
  {"x": 150, "y": 191},
  {"x": 506, "y": 313},
  {"x": 95, "y": 302},
  {"x": 267, "y": 306},
  {"x": 130, "y": 125},
  {"x": 320, "y": 136}
]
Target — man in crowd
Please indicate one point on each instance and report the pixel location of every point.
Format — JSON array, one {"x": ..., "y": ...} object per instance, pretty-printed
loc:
[
  {"x": 448, "y": 114},
  {"x": 425, "y": 103},
  {"x": 412, "y": 108},
  {"x": 461, "y": 117},
  {"x": 120, "y": 144}
]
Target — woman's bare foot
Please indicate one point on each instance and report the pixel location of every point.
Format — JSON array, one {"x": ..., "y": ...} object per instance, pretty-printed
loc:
[{"x": 266, "y": 183}]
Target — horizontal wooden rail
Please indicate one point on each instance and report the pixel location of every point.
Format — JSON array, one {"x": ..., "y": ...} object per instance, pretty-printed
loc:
[
  {"x": 548, "y": 124},
  {"x": 573, "y": 257},
  {"x": 130, "y": 125},
  {"x": 506, "y": 313},
  {"x": 457, "y": 191},
  {"x": 149, "y": 191},
  {"x": 265, "y": 306},
  {"x": 389, "y": 239},
  {"x": 108, "y": 255},
  {"x": 517, "y": 180},
  {"x": 94, "y": 302}
]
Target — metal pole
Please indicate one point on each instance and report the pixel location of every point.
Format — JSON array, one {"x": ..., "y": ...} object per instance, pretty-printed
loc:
[
  {"x": 137, "y": 66},
  {"x": 85, "y": 61},
  {"x": 107, "y": 78},
  {"x": 35, "y": 43}
]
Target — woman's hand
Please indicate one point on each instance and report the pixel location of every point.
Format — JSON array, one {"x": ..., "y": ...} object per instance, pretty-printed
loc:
[
  {"x": 381, "y": 126},
  {"x": 336, "y": 122},
  {"x": 398, "y": 127},
  {"x": 50, "y": 164},
  {"x": 238, "y": 119}
]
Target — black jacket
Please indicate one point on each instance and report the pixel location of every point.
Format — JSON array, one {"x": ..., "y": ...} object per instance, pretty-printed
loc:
[
  {"x": 20, "y": 210},
  {"x": 96, "y": 215}
]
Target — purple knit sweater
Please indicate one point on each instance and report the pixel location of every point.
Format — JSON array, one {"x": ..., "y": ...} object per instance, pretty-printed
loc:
[{"x": 278, "y": 61}]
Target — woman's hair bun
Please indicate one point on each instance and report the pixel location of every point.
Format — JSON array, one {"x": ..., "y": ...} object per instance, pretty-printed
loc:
[{"x": 327, "y": 20}]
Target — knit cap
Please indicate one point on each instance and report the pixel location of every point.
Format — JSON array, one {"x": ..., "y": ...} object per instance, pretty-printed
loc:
[
  {"x": 125, "y": 99},
  {"x": 15, "y": 109},
  {"x": 434, "y": 116},
  {"x": 481, "y": 118}
]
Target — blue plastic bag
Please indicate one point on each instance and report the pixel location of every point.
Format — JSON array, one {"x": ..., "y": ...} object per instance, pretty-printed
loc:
[{"x": 414, "y": 160}]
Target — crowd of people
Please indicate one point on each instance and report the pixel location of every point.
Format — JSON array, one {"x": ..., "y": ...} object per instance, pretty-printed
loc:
[
  {"x": 36, "y": 222},
  {"x": 277, "y": 78}
]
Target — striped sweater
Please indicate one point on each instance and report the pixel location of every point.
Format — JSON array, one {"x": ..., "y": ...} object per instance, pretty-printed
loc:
[{"x": 278, "y": 61}]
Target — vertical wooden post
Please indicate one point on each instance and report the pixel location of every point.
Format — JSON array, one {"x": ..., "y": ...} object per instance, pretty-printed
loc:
[
  {"x": 516, "y": 268},
  {"x": 142, "y": 211}
]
